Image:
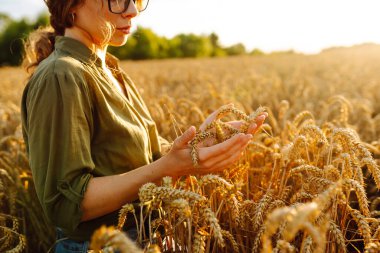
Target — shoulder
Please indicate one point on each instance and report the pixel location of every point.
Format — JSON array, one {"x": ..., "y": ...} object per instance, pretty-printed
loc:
[
  {"x": 57, "y": 64},
  {"x": 58, "y": 79},
  {"x": 58, "y": 69}
]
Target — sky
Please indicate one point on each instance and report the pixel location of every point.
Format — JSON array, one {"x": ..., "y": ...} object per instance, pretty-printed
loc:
[{"x": 305, "y": 26}]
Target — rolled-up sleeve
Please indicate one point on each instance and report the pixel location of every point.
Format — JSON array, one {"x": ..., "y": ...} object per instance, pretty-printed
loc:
[{"x": 59, "y": 130}]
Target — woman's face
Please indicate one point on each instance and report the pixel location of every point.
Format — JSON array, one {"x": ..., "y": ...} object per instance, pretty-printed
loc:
[{"x": 103, "y": 27}]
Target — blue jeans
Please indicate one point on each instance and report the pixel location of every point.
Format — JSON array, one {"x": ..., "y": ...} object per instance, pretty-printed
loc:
[{"x": 67, "y": 245}]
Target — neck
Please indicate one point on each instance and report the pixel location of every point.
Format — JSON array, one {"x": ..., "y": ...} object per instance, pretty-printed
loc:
[{"x": 86, "y": 39}]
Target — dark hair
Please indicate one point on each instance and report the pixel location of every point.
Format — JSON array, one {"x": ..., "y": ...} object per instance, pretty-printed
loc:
[{"x": 40, "y": 43}]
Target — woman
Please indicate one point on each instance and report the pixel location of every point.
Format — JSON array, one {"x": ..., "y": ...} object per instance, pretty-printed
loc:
[{"x": 90, "y": 138}]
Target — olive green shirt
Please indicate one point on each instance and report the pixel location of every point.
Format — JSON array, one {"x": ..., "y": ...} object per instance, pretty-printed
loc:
[{"x": 78, "y": 125}]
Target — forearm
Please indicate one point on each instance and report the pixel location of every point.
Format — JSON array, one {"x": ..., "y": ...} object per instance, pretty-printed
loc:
[{"x": 109, "y": 193}]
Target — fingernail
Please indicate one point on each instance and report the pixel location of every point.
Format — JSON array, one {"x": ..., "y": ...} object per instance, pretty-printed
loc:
[{"x": 249, "y": 136}]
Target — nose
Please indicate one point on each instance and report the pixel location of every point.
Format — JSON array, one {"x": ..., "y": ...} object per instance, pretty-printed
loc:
[{"x": 131, "y": 11}]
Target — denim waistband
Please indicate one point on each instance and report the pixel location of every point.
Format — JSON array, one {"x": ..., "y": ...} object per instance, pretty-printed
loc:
[{"x": 66, "y": 245}]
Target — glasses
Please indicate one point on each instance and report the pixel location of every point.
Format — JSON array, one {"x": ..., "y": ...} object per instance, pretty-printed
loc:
[{"x": 121, "y": 6}]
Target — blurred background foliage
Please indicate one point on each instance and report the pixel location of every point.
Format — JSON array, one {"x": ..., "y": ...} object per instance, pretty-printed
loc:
[{"x": 142, "y": 44}]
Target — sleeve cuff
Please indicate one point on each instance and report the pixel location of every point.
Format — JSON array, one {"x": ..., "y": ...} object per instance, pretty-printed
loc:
[{"x": 65, "y": 208}]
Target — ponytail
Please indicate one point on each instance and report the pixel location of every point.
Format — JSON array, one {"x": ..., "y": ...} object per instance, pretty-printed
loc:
[
  {"x": 40, "y": 43},
  {"x": 38, "y": 46}
]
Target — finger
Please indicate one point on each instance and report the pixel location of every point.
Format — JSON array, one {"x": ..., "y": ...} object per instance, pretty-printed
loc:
[
  {"x": 208, "y": 121},
  {"x": 225, "y": 163},
  {"x": 183, "y": 140},
  {"x": 261, "y": 118},
  {"x": 235, "y": 124},
  {"x": 225, "y": 159},
  {"x": 212, "y": 116},
  {"x": 254, "y": 127},
  {"x": 207, "y": 143},
  {"x": 220, "y": 148},
  {"x": 227, "y": 147}
]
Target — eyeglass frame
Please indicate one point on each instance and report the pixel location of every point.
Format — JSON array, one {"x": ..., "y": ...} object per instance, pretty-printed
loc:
[{"x": 126, "y": 6}]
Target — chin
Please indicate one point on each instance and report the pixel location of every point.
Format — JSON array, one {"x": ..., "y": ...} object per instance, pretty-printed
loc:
[{"x": 118, "y": 42}]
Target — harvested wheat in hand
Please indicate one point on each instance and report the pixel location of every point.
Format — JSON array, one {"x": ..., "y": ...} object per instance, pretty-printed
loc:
[{"x": 223, "y": 131}]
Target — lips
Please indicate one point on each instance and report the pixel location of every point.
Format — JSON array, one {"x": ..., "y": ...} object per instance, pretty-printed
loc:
[{"x": 124, "y": 29}]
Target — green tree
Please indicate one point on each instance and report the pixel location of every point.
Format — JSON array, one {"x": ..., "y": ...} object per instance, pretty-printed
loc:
[
  {"x": 236, "y": 49},
  {"x": 42, "y": 20},
  {"x": 142, "y": 44},
  {"x": 124, "y": 52},
  {"x": 174, "y": 50},
  {"x": 163, "y": 47},
  {"x": 256, "y": 52},
  {"x": 147, "y": 46},
  {"x": 11, "y": 42},
  {"x": 12, "y": 36},
  {"x": 194, "y": 46},
  {"x": 217, "y": 50}
]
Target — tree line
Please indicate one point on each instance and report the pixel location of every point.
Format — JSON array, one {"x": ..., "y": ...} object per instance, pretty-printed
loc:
[{"x": 141, "y": 44}]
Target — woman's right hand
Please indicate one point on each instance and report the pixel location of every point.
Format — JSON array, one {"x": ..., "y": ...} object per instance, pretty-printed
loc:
[{"x": 211, "y": 159}]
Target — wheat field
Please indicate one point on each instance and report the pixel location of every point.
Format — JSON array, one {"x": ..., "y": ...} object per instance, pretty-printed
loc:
[{"x": 308, "y": 182}]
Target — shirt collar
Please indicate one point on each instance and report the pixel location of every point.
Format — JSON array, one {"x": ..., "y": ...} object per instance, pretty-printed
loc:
[{"x": 81, "y": 52}]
